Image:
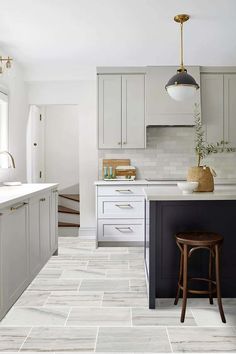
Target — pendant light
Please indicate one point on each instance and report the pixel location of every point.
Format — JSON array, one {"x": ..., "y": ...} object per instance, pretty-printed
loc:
[{"x": 181, "y": 86}]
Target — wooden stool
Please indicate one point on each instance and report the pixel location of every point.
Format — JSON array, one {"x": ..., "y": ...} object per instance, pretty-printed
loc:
[{"x": 189, "y": 242}]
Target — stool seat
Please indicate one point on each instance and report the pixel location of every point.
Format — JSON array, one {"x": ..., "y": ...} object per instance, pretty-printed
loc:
[{"x": 198, "y": 238}]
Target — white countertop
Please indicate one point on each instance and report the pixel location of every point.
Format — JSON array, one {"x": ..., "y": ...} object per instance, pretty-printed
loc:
[
  {"x": 11, "y": 195},
  {"x": 169, "y": 193},
  {"x": 224, "y": 181}
]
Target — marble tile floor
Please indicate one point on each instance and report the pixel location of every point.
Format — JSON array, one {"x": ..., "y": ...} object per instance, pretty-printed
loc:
[{"x": 94, "y": 300}]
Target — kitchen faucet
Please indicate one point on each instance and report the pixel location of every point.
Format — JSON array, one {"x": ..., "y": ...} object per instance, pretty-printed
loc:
[{"x": 11, "y": 158}]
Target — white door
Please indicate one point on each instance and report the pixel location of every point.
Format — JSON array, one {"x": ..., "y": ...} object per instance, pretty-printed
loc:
[
  {"x": 133, "y": 111},
  {"x": 230, "y": 108},
  {"x": 35, "y": 146},
  {"x": 109, "y": 111},
  {"x": 212, "y": 98}
]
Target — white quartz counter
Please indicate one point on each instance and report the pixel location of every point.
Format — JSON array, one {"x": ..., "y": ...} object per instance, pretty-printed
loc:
[
  {"x": 11, "y": 195},
  {"x": 218, "y": 181},
  {"x": 162, "y": 193}
]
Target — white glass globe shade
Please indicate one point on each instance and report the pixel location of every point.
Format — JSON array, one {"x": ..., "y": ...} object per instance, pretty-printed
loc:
[{"x": 181, "y": 92}]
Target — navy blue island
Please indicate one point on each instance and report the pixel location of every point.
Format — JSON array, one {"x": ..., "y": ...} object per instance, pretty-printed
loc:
[{"x": 168, "y": 211}]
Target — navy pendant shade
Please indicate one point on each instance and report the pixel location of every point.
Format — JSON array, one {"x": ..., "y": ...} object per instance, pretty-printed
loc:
[{"x": 182, "y": 78}]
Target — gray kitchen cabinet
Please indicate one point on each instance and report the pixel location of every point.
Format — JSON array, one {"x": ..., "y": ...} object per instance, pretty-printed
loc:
[
  {"x": 54, "y": 220},
  {"x": 14, "y": 252},
  {"x": 219, "y": 106},
  {"x": 212, "y": 89},
  {"x": 28, "y": 238},
  {"x": 161, "y": 108},
  {"x": 121, "y": 111},
  {"x": 44, "y": 227},
  {"x": 34, "y": 237},
  {"x": 230, "y": 108}
]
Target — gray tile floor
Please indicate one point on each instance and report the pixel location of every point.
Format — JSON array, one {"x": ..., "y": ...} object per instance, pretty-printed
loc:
[{"x": 94, "y": 300}]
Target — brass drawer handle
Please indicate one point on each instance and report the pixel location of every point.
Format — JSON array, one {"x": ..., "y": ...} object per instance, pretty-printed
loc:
[
  {"x": 124, "y": 229},
  {"x": 55, "y": 191},
  {"x": 16, "y": 207},
  {"x": 126, "y": 206},
  {"x": 42, "y": 199}
]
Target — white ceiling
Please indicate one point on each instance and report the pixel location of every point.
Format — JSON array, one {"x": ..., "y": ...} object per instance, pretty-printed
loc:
[{"x": 67, "y": 39}]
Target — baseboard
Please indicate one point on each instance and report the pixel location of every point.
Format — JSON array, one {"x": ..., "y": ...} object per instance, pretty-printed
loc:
[
  {"x": 120, "y": 244},
  {"x": 87, "y": 233}
]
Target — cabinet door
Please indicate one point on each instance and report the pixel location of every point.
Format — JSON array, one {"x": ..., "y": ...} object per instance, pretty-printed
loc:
[
  {"x": 34, "y": 237},
  {"x": 109, "y": 111},
  {"x": 212, "y": 98},
  {"x": 133, "y": 111},
  {"x": 230, "y": 108},
  {"x": 54, "y": 221},
  {"x": 15, "y": 260},
  {"x": 44, "y": 227},
  {"x": 161, "y": 108}
]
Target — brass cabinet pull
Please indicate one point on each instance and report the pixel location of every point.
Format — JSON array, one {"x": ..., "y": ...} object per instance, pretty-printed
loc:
[
  {"x": 42, "y": 199},
  {"x": 129, "y": 206},
  {"x": 124, "y": 229},
  {"x": 55, "y": 191},
  {"x": 16, "y": 207}
]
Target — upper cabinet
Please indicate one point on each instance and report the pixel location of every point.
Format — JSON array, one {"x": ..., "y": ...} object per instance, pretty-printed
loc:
[
  {"x": 121, "y": 111},
  {"x": 161, "y": 108},
  {"x": 219, "y": 106}
]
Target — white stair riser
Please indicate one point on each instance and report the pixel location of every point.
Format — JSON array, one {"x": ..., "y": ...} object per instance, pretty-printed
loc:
[
  {"x": 68, "y": 231},
  {"x": 69, "y": 203},
  {"x": 72, "y": 218}
]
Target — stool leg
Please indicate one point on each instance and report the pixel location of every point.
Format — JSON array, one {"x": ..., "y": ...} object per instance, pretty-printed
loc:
[
  {"x": 217, "y": 266},
  {"x": 210, "y": 277},
  {"x": 180, "y": 278},
  {"x": 185, "y": 282}
]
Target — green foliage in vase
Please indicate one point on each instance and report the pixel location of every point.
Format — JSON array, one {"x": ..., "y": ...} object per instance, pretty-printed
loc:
[{"x": 202, "y": 147}]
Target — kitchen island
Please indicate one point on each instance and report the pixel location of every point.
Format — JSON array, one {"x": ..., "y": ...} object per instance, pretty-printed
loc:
[{"x": 168, "y": 211}]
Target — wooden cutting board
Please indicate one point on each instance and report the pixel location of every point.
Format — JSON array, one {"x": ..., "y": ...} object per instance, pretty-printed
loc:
[{"x": 114, "y": 163}]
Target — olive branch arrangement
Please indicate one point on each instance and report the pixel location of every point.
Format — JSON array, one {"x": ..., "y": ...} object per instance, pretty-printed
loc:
[{"x": 202, "y": 147}]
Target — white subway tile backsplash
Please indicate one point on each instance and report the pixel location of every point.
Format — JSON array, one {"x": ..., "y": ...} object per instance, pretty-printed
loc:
[{"x": 169, "y": 154}]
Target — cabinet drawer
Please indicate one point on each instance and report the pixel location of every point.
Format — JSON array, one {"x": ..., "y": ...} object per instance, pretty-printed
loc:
[
  {"x": 132, "y": 207},
  {"x": 122, "y": 190},
  {"x": 121, "y": 230}
]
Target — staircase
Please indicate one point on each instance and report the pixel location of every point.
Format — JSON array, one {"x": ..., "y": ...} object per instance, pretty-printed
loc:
[{"x": 68, "y": 215}]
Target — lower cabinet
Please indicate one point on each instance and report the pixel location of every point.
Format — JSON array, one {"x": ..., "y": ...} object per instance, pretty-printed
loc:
[
  {"x": 14, "y": 252},
  {"x": 120, "y": 213},
  {"x": 28, "y": 238}
]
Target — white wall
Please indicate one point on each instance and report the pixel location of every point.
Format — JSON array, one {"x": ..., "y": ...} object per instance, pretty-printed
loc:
[
  {"x": 13, "y": 81},
  {"x": 61, "y": 136},
  {"x": 82, "y": 93}
]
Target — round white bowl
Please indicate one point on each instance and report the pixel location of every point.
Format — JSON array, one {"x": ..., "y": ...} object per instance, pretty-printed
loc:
[{"x": 187, "y": 187}]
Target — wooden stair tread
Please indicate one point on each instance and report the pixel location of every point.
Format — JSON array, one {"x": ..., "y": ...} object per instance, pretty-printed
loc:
[
  {"x": 63, "y": 209},
  {"x": 67, "y": 224},
  {"x": 74, "y": 197}
]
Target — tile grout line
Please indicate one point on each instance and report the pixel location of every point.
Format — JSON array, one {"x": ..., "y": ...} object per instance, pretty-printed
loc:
[
  {"x": 168, "y": 336},
  {"x": 96, "y": 340},
  {"x": 70, "y": 309},
  {"x": 25, "y": 339}
]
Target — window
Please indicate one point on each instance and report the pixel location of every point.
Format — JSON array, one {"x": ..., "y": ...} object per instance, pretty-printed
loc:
[{"x": 4, "y": 161}]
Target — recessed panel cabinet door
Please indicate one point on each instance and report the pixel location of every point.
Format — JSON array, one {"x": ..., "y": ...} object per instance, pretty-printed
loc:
[
  {"x": 54, "y": 220},
  {"x": 133, "y": 111},
  {"x": 14, "y": 256},
  {"x": 44, "y": 227},
  {"x": 212, "y": 98},
  {"x": 34, "y": 236},
  {"x": 230, "y": 108},
  {"x": 109, "y": 111}
]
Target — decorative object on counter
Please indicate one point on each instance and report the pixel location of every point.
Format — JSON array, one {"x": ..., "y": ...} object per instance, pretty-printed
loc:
[
  {"x": 181, "y": 86},
  {"x": 203, "y": 174},
  {"x": 125, "y": 171},
  {"x": 12, "y": 184},
  {"x": 187, "y": 187},
  {"x": 13, "y": 165}
]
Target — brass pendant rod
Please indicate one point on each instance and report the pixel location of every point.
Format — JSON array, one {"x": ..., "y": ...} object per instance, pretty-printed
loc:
[{"x": 181, "y": 47}]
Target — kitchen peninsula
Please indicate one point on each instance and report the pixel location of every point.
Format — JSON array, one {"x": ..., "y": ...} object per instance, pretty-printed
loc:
[{"x": 168, "y": 211}]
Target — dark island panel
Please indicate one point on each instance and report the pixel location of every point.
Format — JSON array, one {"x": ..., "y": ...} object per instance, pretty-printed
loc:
[{"x": 169, "y": 217}]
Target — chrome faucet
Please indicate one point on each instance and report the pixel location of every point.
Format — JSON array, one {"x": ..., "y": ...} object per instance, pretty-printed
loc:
[{"x": 11, "y": 158}]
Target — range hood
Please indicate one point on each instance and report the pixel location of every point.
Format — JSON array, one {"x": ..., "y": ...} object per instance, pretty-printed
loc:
[{"x": 161, "y": 110}]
